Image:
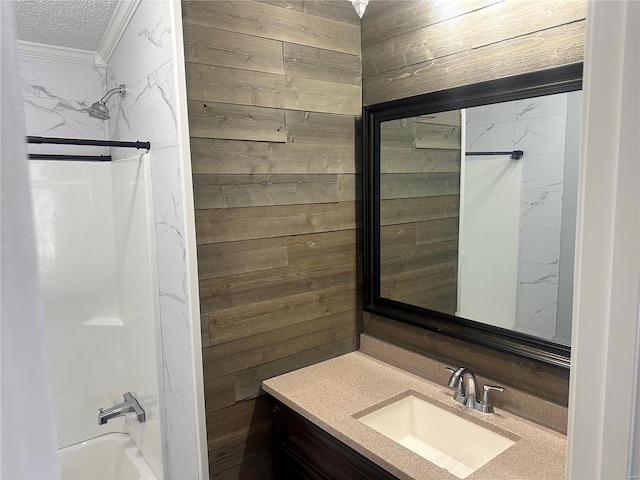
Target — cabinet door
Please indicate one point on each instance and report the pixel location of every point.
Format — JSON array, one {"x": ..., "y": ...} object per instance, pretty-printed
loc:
[
  {"x": 294, "y": 469},
  {"x": 316, "y": 453}
]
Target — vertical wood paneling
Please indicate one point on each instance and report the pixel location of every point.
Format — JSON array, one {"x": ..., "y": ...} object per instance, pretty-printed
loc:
[{"x": 274, "y": 97}]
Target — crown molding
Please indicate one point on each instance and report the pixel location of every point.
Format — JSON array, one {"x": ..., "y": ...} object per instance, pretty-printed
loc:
[
  {"x": 55, "y": 52},
  {"x": 122, "y": 15}
]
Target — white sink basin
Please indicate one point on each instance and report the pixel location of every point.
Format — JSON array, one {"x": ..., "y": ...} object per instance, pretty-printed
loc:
[{"x": 443, "y": 438}]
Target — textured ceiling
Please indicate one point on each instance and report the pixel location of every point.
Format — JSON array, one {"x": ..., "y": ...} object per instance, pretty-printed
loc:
[{"x": 65, "y": 23}]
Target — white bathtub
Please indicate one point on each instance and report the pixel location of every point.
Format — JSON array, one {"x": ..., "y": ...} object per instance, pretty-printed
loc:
[{"x": 113, "y": 456}]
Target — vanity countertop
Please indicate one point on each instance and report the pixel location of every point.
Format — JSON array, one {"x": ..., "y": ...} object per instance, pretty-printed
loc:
[{"x": 330, "y": 393}]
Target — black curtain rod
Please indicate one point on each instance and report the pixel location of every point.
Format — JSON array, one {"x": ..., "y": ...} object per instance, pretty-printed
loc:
[
  {"x": 82, "y": 141},
  {"x": 86, "y": 158},
  {"x": 513, "y": 155}
]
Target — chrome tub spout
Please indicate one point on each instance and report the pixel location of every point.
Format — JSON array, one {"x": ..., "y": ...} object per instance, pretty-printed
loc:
[{"x": 130, "y": 404}]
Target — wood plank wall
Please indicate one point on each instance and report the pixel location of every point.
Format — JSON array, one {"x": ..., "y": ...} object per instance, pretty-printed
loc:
[
  {"x": 410, "y": 47},
  {"x": 420, "y": 165},
  {"x": 274, "y": 98}
]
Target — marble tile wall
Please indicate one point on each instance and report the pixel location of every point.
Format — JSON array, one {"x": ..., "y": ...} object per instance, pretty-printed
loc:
[
  {"x": 56, "y": 96},
  {"x": 144, "y": 61},
  {"x": 99, "y": 318},
  {"x": 536, "y": 126}
]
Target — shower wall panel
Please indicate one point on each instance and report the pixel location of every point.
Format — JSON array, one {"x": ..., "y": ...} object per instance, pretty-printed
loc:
[
  {"x": 73, "y": 213},
  {"x": 93, "y": 223},
  {"x": 145, "y": 60},
  {"x": 137, "y": 287}
]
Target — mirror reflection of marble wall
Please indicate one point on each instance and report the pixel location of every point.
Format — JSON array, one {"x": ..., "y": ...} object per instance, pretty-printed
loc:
[{"x": 423, "y": 241}]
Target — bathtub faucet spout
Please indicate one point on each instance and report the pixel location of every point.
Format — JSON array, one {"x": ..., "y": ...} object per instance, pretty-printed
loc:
[{"x": 130, "y": 404}]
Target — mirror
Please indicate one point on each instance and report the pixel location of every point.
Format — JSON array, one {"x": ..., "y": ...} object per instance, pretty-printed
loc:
[{"x": 470, "y": 207}]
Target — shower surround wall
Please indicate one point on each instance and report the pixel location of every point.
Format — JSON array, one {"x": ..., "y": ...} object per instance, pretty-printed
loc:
[
  {"x": 97, "y": 262},
  {"x": 93, "y": 224},
  {"x": 56, "y": 92},
  {"x": 148, "y": 59}
]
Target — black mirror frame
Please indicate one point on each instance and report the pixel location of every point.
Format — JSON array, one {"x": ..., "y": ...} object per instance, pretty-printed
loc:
[{"x": 545, "y": 82}]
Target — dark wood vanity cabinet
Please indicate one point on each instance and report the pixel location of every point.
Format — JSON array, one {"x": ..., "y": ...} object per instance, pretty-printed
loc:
[{"x": 304, "y": 451}]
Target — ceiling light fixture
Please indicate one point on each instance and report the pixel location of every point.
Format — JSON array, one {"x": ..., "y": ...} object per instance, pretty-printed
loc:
[{"x": 359, "y": 6}]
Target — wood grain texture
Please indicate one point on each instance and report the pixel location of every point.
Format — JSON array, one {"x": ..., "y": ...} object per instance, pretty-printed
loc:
[
  {"x": 219, "y": 120},
  {"x": 214, "y": 156},
  {"x": 233, "y": 86},
  {"x": 241, "y": 440},
  {"x": 494, "y": 24},
  {"x": 416, "y": 160},
  {"x": 389, "y": 19},
  {"x": 220, "y": 392},
  {"x": 314, "y": 262},
  {"x": 319, "y": 128},
  {"x": 235, "y": 290},
  {"x": 274, "y": 97},
  {"x": 268, "y": 346},
  {"x": 316, "y": 63},
  {"x": 249, "y": 382},
  {"x": 273, "y": 22},
  {"x": 536, "y": 51},
  {"x": 228, "y": 49},
  {"x": 407, "y": 185},
  {"x": 437, "y": 230},
  {"x": 520, "y": 373},
  {"x": 226, "y": 191},
  {"x": 413, "y": 282},
  {"x": 507, "y": 19},
  {"x": 231, "y": 224},
  {"x": 261, "y": 317},
  {"x": 224, "y": 259},
  {"x": 407, "y": 210},
  {"x": 332, "y": 9},
  {"x": 398, "y": 257}
]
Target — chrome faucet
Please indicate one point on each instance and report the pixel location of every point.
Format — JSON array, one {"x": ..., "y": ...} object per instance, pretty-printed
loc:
[
  {"x": 130, "y": 404},
  {"x": 468, "y": 393}
]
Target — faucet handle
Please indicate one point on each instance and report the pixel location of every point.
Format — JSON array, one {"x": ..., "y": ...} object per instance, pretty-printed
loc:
[
  {"x": 456, "y": 382},
  {"x": 487, "y": 406}
]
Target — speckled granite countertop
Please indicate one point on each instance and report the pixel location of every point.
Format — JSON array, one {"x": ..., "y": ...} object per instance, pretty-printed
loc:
[{"x": 331, "y": 392}]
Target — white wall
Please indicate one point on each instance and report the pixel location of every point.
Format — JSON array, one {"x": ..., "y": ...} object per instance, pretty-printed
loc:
[
  {"x": 490, "y": 226},
  {"x": 604, "y": 389},
  {"x": 137, "y": 289},
  {"x": 93, "y": 223},
  {"x": 73, "y": 215},
  {"x": 564, "y": 315},
  {"x": 148, "y": 60}
]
